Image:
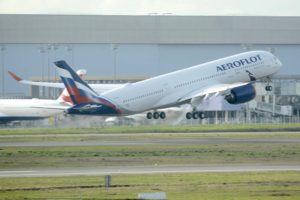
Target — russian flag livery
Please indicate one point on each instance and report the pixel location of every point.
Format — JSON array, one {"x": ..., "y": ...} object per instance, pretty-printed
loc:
[{"x": 85, "y": 99}]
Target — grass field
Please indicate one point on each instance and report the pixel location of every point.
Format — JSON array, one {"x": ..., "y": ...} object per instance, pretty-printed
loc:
[
  {"x": 159, "y": 129},
  {"x": 284, "y": 149},
  {"x": 36, "y": 157},
  {"x": 150, "y": 154},
  {"x": 87, "y": 136},
  {"x": 190, "y": 186}
]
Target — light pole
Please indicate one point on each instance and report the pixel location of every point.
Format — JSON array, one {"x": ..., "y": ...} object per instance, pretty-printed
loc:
[
  {"x": 3, "y": 48},
  {"x": 115, "y": 48},
  {"x": 48, "y": 61},
  {"x": 272, "y": 50},
  {"x": 70, "y": 54},
  {"x": 48, "y": 66},
  {"x": 55, "y": 48},
  {"x": 41, "y": 50}
]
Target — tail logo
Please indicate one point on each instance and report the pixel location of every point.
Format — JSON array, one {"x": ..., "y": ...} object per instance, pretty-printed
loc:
[{"x": 84, "y": 98}]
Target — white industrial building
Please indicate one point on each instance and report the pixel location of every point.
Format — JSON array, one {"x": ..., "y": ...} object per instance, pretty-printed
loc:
[{"x": 131, "y": 48}]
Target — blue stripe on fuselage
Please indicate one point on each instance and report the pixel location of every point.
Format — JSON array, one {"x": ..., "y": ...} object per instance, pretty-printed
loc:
[{"x": 93, "y": 109}]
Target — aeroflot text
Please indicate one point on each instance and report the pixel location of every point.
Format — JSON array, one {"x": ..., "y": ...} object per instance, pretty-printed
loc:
[{"x": 238, "y": 63}]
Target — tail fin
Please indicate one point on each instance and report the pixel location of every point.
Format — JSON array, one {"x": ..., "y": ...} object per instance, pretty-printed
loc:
[
  {"x": 65, "y": 97},
  {"x": 80, "y": 91},
  {"x": 84, "y": 98}
]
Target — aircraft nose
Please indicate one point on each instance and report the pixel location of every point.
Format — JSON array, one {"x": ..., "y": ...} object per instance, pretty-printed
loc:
[{"x": 276, "y": 63}]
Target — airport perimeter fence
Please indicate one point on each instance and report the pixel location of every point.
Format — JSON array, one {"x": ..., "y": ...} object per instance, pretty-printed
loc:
[
  {"x": 100, "y": 122},
  {"x": 95, "y": 122},
  {"x": 253, "y": 120}
]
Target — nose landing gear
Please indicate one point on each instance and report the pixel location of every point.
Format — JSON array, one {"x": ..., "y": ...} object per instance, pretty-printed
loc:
[{"x": 268, "y": 88}]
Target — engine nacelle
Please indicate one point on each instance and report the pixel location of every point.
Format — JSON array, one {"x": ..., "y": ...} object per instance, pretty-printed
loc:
[{"x": 241, "y": 94}]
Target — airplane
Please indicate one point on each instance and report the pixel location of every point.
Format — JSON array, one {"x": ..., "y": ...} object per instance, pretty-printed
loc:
[
  {"x": 33, "y": 109},
  {"x": 232, "y": 77}
]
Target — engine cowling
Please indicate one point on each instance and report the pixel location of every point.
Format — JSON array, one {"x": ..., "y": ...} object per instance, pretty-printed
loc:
[{"x": 241, "y": 94}]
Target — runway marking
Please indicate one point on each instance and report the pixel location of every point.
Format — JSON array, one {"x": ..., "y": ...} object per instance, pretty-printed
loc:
[
  {"x": 17, "y": 171},
  {"x": 149, "y": 142},
  {"x": 148, "y": 170}
]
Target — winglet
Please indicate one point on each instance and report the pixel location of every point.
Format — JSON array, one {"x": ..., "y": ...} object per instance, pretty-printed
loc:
[{"x": 14, "y": 76}]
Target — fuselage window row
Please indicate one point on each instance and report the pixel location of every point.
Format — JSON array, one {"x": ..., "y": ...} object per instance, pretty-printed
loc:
[
  {"x": 198, "y": 80},
  {"x": 143, "y": 96}
]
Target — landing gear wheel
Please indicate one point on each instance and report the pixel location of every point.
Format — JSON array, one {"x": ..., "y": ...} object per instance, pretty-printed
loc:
[
  {"x": 149, "y": 115},
  {"x": 195, "y": 115},
  {"x": 155, "y": 115},
  {"x": 65, "y": 114},
  {"x": 269, "y": 88},
  {"x": 189, "y": 115},
  {"x": 201, "y": 115},
  {"x": 162, "y": 115}
]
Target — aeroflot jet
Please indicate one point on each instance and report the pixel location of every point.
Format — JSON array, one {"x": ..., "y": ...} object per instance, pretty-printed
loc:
[
  {"x": 33, "y": 109},
  {"x": 231, "y": 77}
]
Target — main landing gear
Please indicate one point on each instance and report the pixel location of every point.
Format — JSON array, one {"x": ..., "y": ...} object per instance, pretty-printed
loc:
[
  {"x": 156, "y": 115},
  {"x": 195, "y": 115}
]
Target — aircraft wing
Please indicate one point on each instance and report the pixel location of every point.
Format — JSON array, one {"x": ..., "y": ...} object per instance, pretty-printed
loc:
[
  {"x": 97, "y": 87},
  {"x": 203, "y": 94},
  {"x": 37, "y": 83},
  {"x": 62, "y": 108}
]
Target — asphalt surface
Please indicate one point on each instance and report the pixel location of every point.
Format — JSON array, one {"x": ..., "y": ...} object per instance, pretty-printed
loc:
[
  {"x": 146, "y": 170},
  {"x": 118, "y": 141},
  {"x": 149, "y": 141}
]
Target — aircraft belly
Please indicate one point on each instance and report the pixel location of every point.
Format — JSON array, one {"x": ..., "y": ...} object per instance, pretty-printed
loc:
[{"x": 142, "y": 105}]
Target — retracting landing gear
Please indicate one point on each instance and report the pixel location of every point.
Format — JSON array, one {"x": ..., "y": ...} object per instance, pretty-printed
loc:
[
  {"x": 156, "y": 115},
  {"x": 195, "y": 115},
  {"x": 268, "y": 87}
]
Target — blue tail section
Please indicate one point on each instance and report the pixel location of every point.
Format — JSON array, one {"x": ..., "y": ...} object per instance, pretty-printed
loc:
[
  {"x": 79, "y": 90},
  {"x": 85, "y": 99}
]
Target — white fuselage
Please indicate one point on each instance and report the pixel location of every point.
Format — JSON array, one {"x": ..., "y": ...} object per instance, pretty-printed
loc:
[
  {"x": 23, "y": 109},
  {"x": 167, "y": 90}
]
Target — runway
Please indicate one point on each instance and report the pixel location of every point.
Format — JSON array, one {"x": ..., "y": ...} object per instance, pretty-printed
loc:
[
  {"x": 139, "y": 141},
  {"x": 147, "y": 170}
]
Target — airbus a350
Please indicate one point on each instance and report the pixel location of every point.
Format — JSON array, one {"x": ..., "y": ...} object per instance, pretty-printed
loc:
[{"x": 231, "y": 77}]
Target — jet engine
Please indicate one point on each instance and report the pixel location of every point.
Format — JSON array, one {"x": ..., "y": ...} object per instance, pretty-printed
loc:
[{"x": 241, "y": 94}]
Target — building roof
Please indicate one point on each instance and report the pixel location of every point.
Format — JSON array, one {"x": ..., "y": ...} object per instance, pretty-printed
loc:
[{"x": 150, "y": 29}]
